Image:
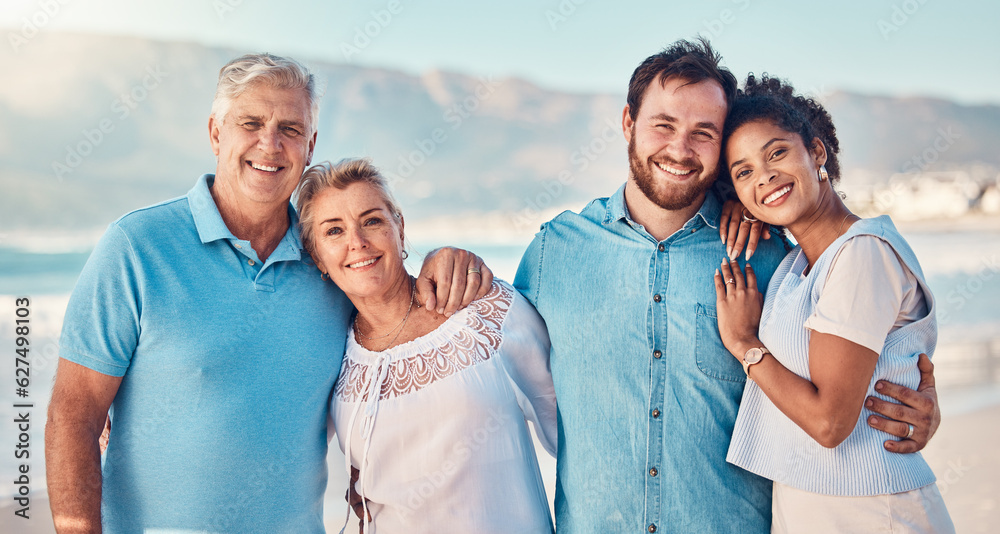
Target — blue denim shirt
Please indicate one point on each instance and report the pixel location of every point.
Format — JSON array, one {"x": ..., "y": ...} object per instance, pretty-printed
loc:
[{"x": 647, "y": 394}]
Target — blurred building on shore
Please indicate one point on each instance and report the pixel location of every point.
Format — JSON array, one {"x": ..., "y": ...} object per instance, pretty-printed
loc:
[{"x": 924, "y": 195}]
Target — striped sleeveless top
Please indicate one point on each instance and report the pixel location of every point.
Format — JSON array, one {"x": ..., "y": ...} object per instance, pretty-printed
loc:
[{"x": 768, "y": 443}]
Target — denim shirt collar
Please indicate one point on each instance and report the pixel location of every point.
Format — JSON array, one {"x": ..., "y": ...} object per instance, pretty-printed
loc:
[
  {"x": 211, "y": 227},
  {"x": 708, "y": 214}
]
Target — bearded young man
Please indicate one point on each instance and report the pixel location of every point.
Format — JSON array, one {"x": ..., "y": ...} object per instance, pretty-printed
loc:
[{"x": 647, "y": 393}]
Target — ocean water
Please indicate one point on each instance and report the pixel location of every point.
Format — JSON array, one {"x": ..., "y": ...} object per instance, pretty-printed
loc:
[{"x": 963, "y": 269}]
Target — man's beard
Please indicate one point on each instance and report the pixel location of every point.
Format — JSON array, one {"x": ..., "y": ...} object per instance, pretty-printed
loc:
[{"x": 668, "y": 196}]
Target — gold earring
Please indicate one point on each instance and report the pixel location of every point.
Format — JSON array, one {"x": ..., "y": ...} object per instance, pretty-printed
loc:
[
  {"x": 323, "y": 276},
  {"x": 823, "y": 175}
]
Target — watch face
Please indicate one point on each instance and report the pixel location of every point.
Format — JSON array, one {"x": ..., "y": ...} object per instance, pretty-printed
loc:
[{"x": 754, "y": 356}]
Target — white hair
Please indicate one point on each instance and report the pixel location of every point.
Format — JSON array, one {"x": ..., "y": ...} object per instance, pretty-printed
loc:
[{"x": 250, "y": 70}]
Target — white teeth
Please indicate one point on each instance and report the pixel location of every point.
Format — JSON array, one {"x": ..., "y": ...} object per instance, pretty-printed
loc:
[
  {"x": 777, "y": 194},
  {"x": 362, "y": 263},
  {"x": 673, "y": 171},
  {"x": 263, "y": 167}
]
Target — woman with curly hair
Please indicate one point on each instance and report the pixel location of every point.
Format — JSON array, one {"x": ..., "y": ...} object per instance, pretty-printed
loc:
[{"x": 848, "y": 307}]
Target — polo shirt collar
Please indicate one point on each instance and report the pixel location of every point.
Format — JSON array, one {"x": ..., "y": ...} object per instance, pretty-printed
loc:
[
  {"x": 206, "y": 215},
  {"x": 708, "y": 214},
  {"x": 211, "y": 227}
]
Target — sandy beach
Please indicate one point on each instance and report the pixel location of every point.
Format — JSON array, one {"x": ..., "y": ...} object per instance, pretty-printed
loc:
[{"x": 964, "y": 457}]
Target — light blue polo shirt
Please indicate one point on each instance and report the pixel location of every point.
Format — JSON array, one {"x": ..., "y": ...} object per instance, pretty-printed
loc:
[{"x": 227, "y": 363}]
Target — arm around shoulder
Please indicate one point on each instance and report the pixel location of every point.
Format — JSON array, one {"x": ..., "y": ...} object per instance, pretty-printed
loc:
[{"x": 451, "y": 278}]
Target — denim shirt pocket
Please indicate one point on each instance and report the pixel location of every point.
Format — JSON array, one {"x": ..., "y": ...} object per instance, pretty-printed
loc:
[{"x": 711, "y": 355}]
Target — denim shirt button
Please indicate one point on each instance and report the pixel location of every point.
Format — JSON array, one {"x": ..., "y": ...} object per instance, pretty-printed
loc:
[
  {"x": 657, "y": 298},
  {"x": 653, "y": 472},
  {"x": 657, "y": 354},
  {"x": 652, "y": 527},
  {"x": 656, "y": 413},
  {"x": 661, "y": 247}
]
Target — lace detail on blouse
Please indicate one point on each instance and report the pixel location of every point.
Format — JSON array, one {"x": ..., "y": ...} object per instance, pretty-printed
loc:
[{"x": 470, "y": 337}]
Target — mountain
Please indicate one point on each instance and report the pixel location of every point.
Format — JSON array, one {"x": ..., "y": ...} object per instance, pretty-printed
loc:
[
  {"x": 94, "y": 126},
  {"x": 886, "y": 135}
]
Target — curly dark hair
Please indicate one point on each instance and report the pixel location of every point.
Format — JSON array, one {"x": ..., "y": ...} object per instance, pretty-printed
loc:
[
  {"x": 773, "y": 100},
  {"x": 692, "y": 61}
]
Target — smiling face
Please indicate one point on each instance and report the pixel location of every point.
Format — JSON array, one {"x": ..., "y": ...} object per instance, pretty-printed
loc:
[
  {"x": 775, "y": 173},
  {"x": 357, "y": 240},
  {"x": 674, "y": 141},
  {"x": 263, "y": 144}
]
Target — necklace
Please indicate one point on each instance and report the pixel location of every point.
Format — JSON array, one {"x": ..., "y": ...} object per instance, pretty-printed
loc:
[
  {"x": 840, "y": 231},
  {"x": 398, "y": 328}
]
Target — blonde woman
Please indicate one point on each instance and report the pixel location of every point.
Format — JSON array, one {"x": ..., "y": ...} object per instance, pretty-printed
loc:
[{"x": 430, "y": 410}]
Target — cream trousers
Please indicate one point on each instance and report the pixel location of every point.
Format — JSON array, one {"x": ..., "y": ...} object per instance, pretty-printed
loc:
[{"x": 918, "y": 511}]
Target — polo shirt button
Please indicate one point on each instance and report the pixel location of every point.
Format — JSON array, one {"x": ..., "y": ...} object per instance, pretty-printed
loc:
[
  {"x": 656, "y": 413},
  {"x": 251, "y": 262},
  {"x": 657, "y": 298},
  {"x": 657, "y": 354},
  {"x": 652, "y": 527},
  {"x": 661, "y": 248},
  {"x": 653, "y": 472}
]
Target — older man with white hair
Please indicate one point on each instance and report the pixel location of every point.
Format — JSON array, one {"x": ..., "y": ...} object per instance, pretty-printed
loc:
[{"x": 213, "y": 343}]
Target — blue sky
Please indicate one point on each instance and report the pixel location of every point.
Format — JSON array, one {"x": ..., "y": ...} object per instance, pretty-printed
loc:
[{"x": 898, "y": 47}]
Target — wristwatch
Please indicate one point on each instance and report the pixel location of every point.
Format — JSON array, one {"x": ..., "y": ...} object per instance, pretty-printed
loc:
[{"x": 752, "y": 356}]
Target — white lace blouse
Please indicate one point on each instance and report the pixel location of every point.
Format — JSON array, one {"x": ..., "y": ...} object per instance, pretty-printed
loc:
[{"x": 437, "y": 426}]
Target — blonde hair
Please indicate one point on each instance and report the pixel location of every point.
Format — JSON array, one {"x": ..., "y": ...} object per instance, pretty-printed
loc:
[
  {"x": 345, "y": 172},
  {"x": 250, "y": 70}
]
